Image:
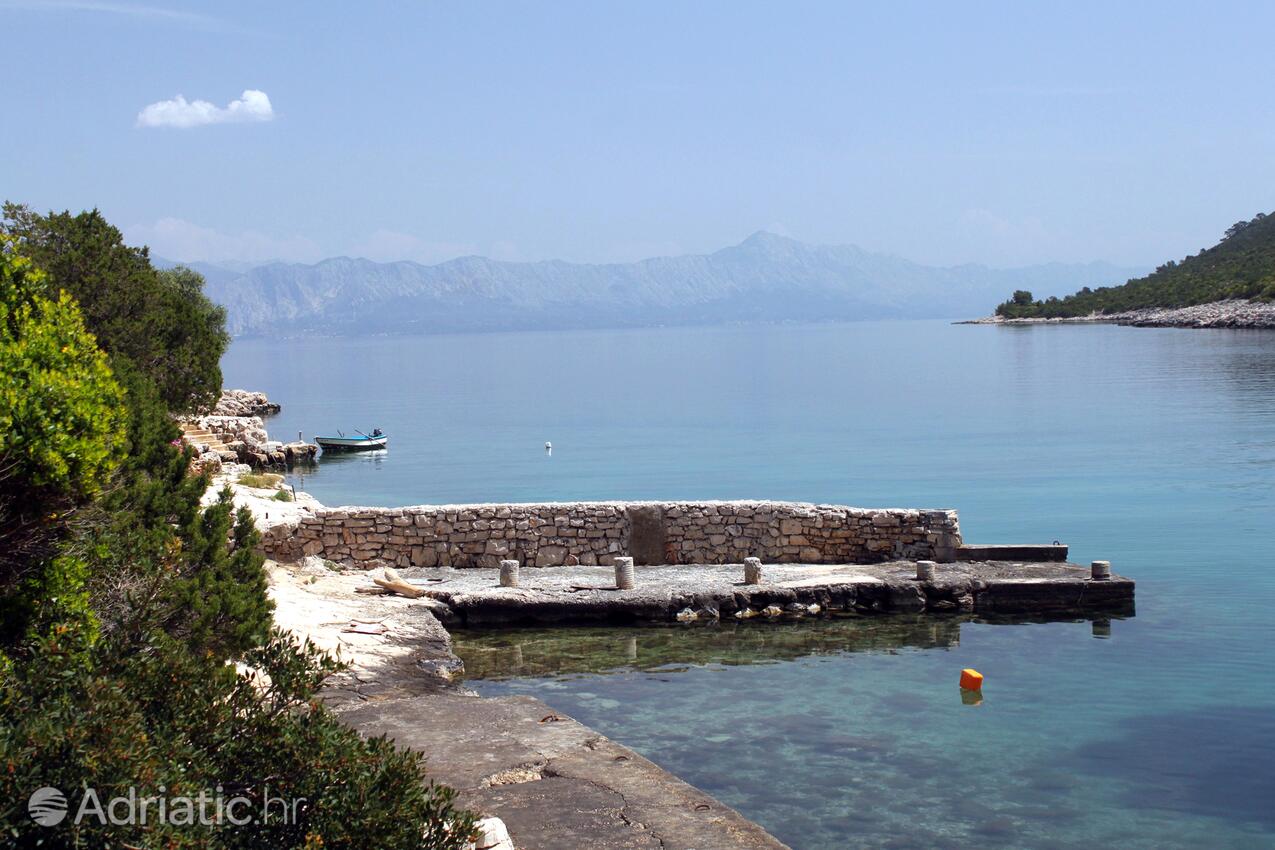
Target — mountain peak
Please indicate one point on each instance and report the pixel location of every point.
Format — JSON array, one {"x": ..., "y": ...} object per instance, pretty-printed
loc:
[{"x": 765, "y": 238}]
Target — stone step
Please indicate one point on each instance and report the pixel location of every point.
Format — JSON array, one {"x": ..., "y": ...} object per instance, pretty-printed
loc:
[{"x": 208, "y": 442}]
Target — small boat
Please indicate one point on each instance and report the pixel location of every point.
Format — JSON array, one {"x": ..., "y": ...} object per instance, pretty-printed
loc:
[{"x": 363, "y": 442}]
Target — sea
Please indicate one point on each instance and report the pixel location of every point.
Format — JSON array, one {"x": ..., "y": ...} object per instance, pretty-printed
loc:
[{"x": 1151, "y": 448}]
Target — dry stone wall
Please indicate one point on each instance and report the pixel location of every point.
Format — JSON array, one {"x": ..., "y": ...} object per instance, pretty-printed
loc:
[{"x": 590, "y": 533}]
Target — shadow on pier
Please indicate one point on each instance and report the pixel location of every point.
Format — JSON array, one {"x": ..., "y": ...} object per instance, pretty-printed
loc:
[{"x": 555, "y": 651}]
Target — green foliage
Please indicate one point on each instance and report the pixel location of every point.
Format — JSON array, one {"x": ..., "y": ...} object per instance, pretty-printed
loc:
[
  {"x": 216, "y": 599},
  {"x": 120, "y": 630},
  {"x": 1242, "y": 265},
  {"x": 282, "y": 496},
  {"x": 162, "y": 717},
  {"x": 159, "y": 320},
  {"x": 59, "y": 423}
]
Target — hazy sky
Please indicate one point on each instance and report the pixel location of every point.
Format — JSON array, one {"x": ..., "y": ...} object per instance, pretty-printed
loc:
[{"x": 943, "y": 132}]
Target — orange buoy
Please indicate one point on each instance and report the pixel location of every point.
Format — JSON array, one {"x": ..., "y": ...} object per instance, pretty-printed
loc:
[{"x": 971, "y": 680}]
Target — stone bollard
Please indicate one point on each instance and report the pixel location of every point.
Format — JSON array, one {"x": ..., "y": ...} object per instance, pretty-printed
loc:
[
  {"x": 508, "y": 573},
  {"x": 1100, "y": 570},
  {"x": 924, "y": 570},
  {"x": 623, "y": 572},
  {"x": 752, "y": 571}
]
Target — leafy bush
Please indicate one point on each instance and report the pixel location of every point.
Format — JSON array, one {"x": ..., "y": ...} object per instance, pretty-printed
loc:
[
  {"x": 168, "y": 723},
  {"x": 59, "y": 423},
  {"x": 121, "y": 632},
  {"x": 158, "y": 320}
]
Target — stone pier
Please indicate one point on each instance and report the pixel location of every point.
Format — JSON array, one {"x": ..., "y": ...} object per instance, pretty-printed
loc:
[{"x": 593, "y": 533}]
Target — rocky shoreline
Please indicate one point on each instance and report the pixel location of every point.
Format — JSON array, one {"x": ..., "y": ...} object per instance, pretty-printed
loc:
[
  {"x": 233, "y": 432},
  {"x": 1217, "y": 314}
]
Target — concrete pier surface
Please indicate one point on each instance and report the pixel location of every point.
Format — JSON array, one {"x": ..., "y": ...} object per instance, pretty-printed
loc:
[
  {"x": 557, "y": 784},
  {"x": 661, "y": 594}
]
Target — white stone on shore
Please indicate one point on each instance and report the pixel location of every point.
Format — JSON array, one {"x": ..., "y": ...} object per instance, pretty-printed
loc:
[{"x": 492, "y": 835}]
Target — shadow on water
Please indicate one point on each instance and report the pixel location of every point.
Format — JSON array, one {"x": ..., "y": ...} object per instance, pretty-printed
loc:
[
  {"x": 541, "y": 652},
  {"x": 337, "y": 459},
  {"x": 332, "y": 463},
  {"x": 1191, "y": 761}
]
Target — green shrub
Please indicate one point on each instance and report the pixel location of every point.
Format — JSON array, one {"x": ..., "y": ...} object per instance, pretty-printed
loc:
[
  {"x": 159, "y": 320},
  {"x": 260, "y": 480},
  {"x": 120, "y": 630},
  {"x": 162, "y": 717},
  {"x": 282, "y": 496},
  {"x": 59, "y": 437}
]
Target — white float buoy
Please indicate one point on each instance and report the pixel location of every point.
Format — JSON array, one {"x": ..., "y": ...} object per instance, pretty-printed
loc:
[{"x": 548, "y": 447}]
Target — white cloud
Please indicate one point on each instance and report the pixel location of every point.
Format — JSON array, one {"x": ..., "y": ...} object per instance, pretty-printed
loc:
[
  {"x": 177, "y": 239},
  {"x": 253, "y": 105}
]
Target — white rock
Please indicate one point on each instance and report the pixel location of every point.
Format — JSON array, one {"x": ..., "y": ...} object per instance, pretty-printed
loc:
[{"x": 492, "y": 835}]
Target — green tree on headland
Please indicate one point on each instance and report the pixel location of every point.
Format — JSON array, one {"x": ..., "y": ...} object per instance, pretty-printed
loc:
[
  {"x": 159, "y": 321},
  {"x": 136, "y": 646},
  {"x": 1241, "y": 265},
  {"x": 60, "y": 413}
]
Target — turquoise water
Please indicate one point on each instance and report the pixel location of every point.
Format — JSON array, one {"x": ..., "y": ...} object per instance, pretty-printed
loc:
[{"x": 1154, "y": 448}]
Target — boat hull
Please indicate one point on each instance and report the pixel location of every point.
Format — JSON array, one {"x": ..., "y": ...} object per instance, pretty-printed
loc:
[{"x": 351, "y": 444}]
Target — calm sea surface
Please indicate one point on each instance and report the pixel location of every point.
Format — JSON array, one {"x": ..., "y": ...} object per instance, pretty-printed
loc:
[{"x": 1154, "y": 449}]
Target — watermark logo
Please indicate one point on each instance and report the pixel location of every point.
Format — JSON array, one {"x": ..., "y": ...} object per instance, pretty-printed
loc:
[
  {"x": 47, "y": 806},
  {"x": 210, "y": 807}
]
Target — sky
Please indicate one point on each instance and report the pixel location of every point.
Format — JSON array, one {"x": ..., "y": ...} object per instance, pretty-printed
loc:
[{"x": 1000, "y": 133}]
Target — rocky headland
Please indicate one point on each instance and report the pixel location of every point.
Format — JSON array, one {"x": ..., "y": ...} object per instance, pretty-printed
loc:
[
  {"x": 1233, "y": 313},
  {"x": 244, "y": 403},
  {"x": 233, "y": 432}
]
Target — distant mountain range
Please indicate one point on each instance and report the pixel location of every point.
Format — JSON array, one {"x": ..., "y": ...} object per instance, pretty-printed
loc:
[{"x": 765, "y": 278}]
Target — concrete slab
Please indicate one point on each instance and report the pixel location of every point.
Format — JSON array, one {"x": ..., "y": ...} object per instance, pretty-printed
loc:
[
  {"x": 473, "y": 597},
  {"x": 557, "y": 784}
]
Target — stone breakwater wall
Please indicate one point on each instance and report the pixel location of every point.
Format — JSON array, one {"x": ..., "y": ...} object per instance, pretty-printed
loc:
[{"x": 591, "y": 533}]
